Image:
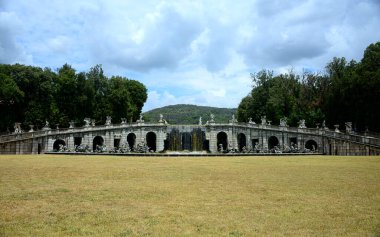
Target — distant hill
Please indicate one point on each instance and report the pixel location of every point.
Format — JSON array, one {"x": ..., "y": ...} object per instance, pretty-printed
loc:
[{"x": 189, "y": 114}]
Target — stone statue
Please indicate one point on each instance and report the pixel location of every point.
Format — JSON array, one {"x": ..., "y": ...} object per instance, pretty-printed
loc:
[
  {"x": 250, "y": 121},
  {"x": 140, "y": 120},
  {"x": 123, "y": 120},
  {"x": 108, "y": 121},
  {"x": 302, "y": 123},
  {"x": 72, "y": 124},
  {"x": 221, "y": 148},
  {"x": 87, "y": 122},
  {"x": 336, "y": 127},
  {"x": 283, "y": 122},
  {"x": 324, "y": 125},
  {"x": 348, "y": 127},
  {"x": 31, "y": 128},
  {"x": 212, "y": 116},
  {"x": 46, "y": 127},
  {"x": 233, "y": 120},
  {"x": 264, "y": 120},
  {"x": 17, "y": 128},
  {"x": 200, "y": 121},
  {"x": 93, "y": 122}
]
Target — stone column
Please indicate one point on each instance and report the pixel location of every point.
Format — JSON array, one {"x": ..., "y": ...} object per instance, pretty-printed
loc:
[
  {"x": 160, "y": 137},
  {"x": 213, "y": 141}
]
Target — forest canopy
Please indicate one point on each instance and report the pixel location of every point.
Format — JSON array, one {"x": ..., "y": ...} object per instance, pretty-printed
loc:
[
  {"x": 32, "y": 95},
  {"x": 345, "y": 92}
]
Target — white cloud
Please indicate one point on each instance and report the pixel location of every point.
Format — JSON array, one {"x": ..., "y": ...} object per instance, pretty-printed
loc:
[{"x": 191, "y": 51}]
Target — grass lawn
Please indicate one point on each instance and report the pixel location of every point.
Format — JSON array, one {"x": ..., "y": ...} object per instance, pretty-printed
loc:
[{"x": 48, "y": 195}]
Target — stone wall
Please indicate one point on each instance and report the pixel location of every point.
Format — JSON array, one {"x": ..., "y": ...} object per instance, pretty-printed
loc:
[{"x": 326, "y": 142}]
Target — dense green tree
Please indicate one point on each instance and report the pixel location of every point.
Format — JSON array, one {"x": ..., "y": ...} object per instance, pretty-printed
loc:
[
  {"x": 120, "y": 98},
  {"x": 10, "y": 97},
  {"x": 66, "y": 86},
  {"x": 102, "y": 107},
  {"x": 348, "y": 91},
  {"x": 85, "y": 101},
  {"x": 32, "y": 95},
  {"x": 138, "y": 94}
]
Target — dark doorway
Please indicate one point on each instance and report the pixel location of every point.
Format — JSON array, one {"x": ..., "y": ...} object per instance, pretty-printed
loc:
[
  {"x": 222, "y": 141},
  {"x": 166, "y": 142},
  {"x": 131, "y": 139},
  {"x": 151, "y": 141},
  {"x": 77, "y": 141},
  {"x": 293, "y": 141},
  {"x": 311, "y": 145},
  {"x": 57, "y": 144},
  {"x": 39, "y": 148},
  {"x": 272, "y": 142},
  {"x": 242, "y": 141},
  {"x": 186, "y": 141},
  {"x": 206, "y": 145},
  {"x": 98, "y": 141},
  {"x": 116, "y": 143},
  {"x": 330, "y": 149}
]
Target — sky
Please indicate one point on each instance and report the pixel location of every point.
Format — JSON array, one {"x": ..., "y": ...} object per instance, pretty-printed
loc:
[{"x": 187, "y": 52}]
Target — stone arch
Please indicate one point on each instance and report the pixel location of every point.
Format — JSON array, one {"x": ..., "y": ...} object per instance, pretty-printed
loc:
[
  {"x": 151, "y": 139},
  {"x": 131, "y": 140},
  {"x": 222, "y": 139},
  {"x": 242, "y": 141},
  {"x": 272, "y": 142},
  {"x": 57, "y": 144},
  {"x": 186, "y": 141},
  {"x": 311, "y": 145},
  {"x": 98, "y": 141}
]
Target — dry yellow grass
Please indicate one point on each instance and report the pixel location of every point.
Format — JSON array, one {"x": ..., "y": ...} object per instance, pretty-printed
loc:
[{"x": 237, "y": 196}]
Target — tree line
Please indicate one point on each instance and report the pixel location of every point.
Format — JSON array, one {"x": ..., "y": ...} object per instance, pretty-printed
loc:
[
  {"x": 32, "y": 95},
  {"x": 344, "y": 92}
]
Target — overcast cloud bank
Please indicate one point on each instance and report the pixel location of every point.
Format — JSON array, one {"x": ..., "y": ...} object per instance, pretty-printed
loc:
[{"x": 199, "y": 52}]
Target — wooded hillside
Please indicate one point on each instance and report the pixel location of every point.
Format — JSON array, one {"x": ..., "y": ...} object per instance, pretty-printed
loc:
[{"x": 189, "y": 114}]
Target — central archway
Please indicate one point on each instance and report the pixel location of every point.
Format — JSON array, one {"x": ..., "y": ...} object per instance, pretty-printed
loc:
[
  {"x": 186, "y": 141},
  {"x": 242, "y": 141},
  {"x": 98, "y": 141},
  {"x": 151, "y": 141},
  {"x": 222, "y": 141},
  {"x": 131, "y": 139},
  {"x": 272, "y": 142}
]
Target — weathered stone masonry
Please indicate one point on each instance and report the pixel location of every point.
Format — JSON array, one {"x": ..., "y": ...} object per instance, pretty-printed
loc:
[{"x": 212, "y": 137}]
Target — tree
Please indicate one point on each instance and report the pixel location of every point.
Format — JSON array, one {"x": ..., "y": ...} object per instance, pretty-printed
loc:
[
  {"x": 138, "y": 93},
  {"x": 120, "y": 98},
  {"x": 347, "y": 92},
  {"x": 101, "y": 104},
  {"x": 10, "y": 97},
  {"x": 32, "y": 95}
]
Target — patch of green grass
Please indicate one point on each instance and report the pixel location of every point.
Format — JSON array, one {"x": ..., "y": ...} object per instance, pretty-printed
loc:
[{"x": 226, "y": 196}]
